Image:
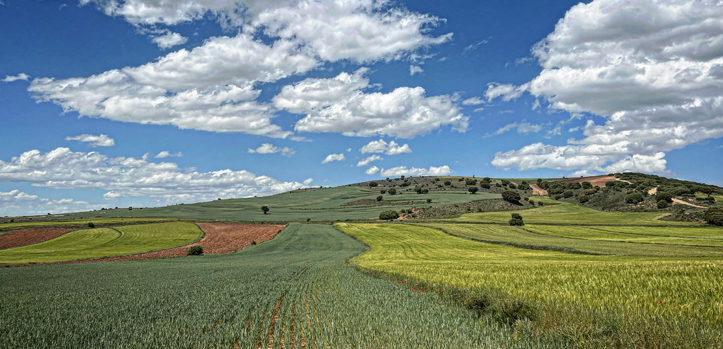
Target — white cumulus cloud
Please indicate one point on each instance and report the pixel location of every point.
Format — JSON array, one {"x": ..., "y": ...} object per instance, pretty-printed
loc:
[
  {"x": 17, "y": 203},
  {"x": 166, "y": 154},
  {"x": 415, "y": 69},
  {"x": 334, "y": 157},
  {"x": 169, "y": 39},
  {"x": 380, "y": 146},
  {"x": 268, "y": 148},
  {"x": 653, "y": 69},
  {"x": 21, "y": 77},
  {"x": 128, "y": 176},
  {"x": 93, "y": 140},
  {"x": 368, "y": 160},
  {"x": 414, "y": 171},
  {"x": 372, "y": 170}
]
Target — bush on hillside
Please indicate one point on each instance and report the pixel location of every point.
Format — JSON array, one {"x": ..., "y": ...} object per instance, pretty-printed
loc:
[
  {"x": 662, "y": 204},
  {"x": 634, "y": 198},
  {"x": 392, "y": 191},
  {"x": 91, "y": 225},
  {"x": 485, "y": 185},
  {"x": 373, "y": 184},
  {"x": 532, "y": 202},
  {"x": 429, "y": 201},
  {"x": 195, "y": 251},
  {"x": 265, "y": 209},
  {"x": 516, "y": 220},
  {"x": 583, "y": 199},
  {"x": 714, "y": 216},
  {"x": 383, "y": 191},
  {"x": 473, "y": 189},
  {"x": 586, "y": 185},
  {"x": 664, "y": 196},
  {"x": 511, "y": 196},
  {"x": 388, "y": 215},
  {"x": 379, "y": 198},
  {"x": 568, "y": 194},
  {"x": 447, "y": 183}
]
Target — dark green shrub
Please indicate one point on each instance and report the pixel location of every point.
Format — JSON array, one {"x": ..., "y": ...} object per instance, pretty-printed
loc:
[
  {"x": 471, "y": 181},
  {"x": 706, "y": 190},
  {"x": 516, "y": 220},
  {"x": 634, "y": 198},
  {"x": 574, "y": 186},
  {"x": 610, "y": 184},
  {"x": 373, "y": 184},
  {"x": 388, "y": 215},
  {"x": 473, "y": 189},
  {"x": 568, "y": 194},
  {"x": 447, "y": 183},
  {"x": 586, "y": 185},
  {"x": 195, "y": 251},
  {"x": 379, "y": 198},
  {"x": 583, "y": 199},
  {"x": 392, "y": 191},
  {"x": 558, "y": 197},
  {"x": 664, "y": 196},
  {"x": 91, "y": 225},
  {"x": 485, "y": 185},
  {"x": 714, "y": 216},
  {"x": 253, "y": 243},
  {"x": 511, "y": 196},
  {"x": 429, "y": 201},
  {"x": 265, "y": 209},
  {"x": 383, "y": 191},
  {"x": 590, "y": 191},
  {"x": 532, "y": 202},
  {"x": 540, "y": 203},
  {"x": 512, "y": 185},
  {"x": 662, "y": 204}
]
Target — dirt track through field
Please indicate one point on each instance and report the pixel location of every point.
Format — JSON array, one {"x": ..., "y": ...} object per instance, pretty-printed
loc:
[
  {"x": 594, "y": 180},
  {"x": 28, "y": 237},
  {"x": 682, "y": 202}
]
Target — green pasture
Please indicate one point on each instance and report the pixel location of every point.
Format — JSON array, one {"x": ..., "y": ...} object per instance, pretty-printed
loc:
[
  {"x": 584, "y": 240},
  {"x": 229, "y": 301},
  {"x": 566, "y": 213},
  {"x": 699, "y": 236},
  {"x": 676, "y": 295},
  {"x": 318, "y": 205},
  {"x": 105, "y": 242}
]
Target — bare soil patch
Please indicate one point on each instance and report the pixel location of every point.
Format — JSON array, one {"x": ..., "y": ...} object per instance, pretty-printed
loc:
[
  {"x": 536, "y": 190},
  {"x": 653, "y": 191},
  {"x": 28, "y": 237}
]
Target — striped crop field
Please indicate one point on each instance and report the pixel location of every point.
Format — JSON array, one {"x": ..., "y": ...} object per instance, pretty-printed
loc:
[
  {"x": 557, "y": 212},
  {"x": 104, "y": 242},
  {"x": 85, "y": 221},
  {"x": 294, "y": 291},
  {"x": 680, "y": 296}
]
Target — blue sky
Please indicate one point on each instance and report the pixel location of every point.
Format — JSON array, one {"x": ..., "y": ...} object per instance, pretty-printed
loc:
[{"x": 145, "y": 102}]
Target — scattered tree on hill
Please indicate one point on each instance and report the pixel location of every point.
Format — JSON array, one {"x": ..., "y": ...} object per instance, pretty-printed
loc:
[
  {"x": 610, "y": 183},
  {"x": 664, "y": 196},
  {"x": 447, "y": 183},
  {"x": 471, "y": 181},
  {"x": 511, "y": 196},
  {"x": 379, "y": 198},
  {"x": 662, "y": 204},
  {"x": 706, "y": 190},
  {"x": 130, "y": 208},
  {"x": 91, "y": 225},
  {"x": 574, "y": 186},
  {"x": 473, "y": 189},
  {"x": 485, "y": 185},
  {"x": 265, "y": 209},
  {"x": 392, "y": 191},
  {"x": 532, "y": 202},
  {"x": 587, "y": 185},
  {"x": 373, "y": 184},
  {"x": 383, "y": 191},
  {"x": 583, "y": 199},
  {"x": 388, "y": 215},
  {"x": 516, "y": 220},
  {"x": 524, "y": 186},
  {"x": 714, "y": 215},
  {"x": 568, "y": 194},
  {"x": 429, "y": 201},
  {"x": 195, "y": 251},
  {"x": 634, "y": 198},
  {"x": 539, "y": 180}
]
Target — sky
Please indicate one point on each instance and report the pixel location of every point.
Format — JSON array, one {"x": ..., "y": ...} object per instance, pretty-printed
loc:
[{"x": 157, "y": 102}]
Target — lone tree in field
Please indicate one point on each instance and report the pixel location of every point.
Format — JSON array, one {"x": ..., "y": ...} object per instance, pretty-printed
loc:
[
  {"x": 379, "y": 198},
  {"x": 265, "y": 209},
  {"x": 511, "y": 196},
  {"x": 714, "y": 215},
  {"x": 516, "y": 220},
  {"x": 373, "y": 184},
  {"x": 392, "y": 191},
  {"x": 388, "y": 215},
  {"x": 473, "y": 189},
  {"x": 706, "y": 190}
]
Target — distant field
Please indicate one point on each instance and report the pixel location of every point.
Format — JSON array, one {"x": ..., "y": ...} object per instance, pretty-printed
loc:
[
  {"x": 104, "y": 242},
  {"x": 293, "y": 291},
  {"x": 587, "y": 239},
  {"x": 675, "y": 295},
  {"x": 703, "y": 236},
  {"x": 68, "y": 221},
  {"x": 318, "y": 205},
  {"x": 566, "y": 213}
]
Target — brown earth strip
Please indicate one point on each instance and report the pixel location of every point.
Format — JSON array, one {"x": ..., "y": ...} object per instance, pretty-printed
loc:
[
  {"x": 594, "y": 180},
  {"x": 28, "y": 237},
  {"x": 682, "y": 202},
  {"x": 274, "y": 320}
]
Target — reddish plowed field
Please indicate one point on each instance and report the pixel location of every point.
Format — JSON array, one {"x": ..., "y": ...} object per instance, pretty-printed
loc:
[
  {"x": 28, "y": 237},
  {"x": 220, "y": 238},
  {"x": 594, "y": 180}
]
